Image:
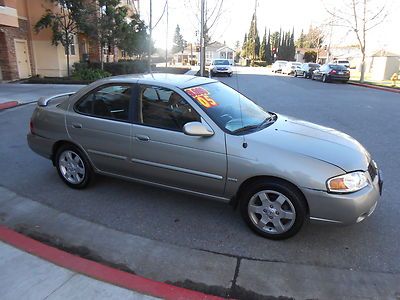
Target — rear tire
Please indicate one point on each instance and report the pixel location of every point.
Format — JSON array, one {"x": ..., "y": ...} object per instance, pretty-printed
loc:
[
  {"x": 73, "y": 167},
  {"x": 273, "y": 209}
]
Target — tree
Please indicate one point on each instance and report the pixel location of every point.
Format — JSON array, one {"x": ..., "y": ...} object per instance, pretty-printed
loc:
[
  {"x": 359, "y": 16},
  {"x": 111, "y": 26},
  {"x": 213, "y": 13},
  {"x": 292, "y": 47},
  {"x": 136, "y": 38},
  {"x": 310, "y": 56},
  {"x": 275, "y": 41},
  {"x": 244, "y": 46},
  {"x": 263, "y": 48},
  {"x": 253, "y": 40},
  {"x": 179, "y": 42},
  {"x": 268, "y": 54},
  {"x": 67, "y": 19},
  {"x": 301, "y": 40}
]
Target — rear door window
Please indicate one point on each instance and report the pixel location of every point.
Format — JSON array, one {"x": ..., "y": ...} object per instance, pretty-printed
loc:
[{"x": 110, "y": 102}]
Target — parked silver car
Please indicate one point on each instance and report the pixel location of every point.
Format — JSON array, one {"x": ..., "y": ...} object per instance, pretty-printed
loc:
[{"x": 198, "y": 135}]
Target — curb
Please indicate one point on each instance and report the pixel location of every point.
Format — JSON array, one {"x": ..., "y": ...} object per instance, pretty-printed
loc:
[
  {"x": 381, "y": 88},
  {"x": 98, "y": 271},
  {"x": 8, "y": 104}
]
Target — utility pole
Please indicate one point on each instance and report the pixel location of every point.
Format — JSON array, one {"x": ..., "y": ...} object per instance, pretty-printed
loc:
[
  {"x": 202, "y": 43},
  {"x": 166, "y": 40},
  {"x": 191, "y": 54},
  {"x": 150, "y": 32}
]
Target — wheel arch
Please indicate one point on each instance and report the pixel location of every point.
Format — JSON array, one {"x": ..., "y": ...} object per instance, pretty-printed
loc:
[
  {"x": 60, "y": 143},
  {"x": 245, "y": 184}
]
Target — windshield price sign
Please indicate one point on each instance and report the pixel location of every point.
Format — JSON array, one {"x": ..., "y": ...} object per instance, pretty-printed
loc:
[{"x": 202, "y": 96}]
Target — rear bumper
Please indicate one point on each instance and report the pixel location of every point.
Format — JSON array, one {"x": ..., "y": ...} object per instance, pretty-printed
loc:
[
  {"x": 40, "y": 145},
  {"x": 344, "y": 208},
  {"x": 339, "y": 77}
]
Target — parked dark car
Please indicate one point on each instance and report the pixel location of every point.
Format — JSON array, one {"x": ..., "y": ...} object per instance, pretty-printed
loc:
[
  {"x": 331, "y": 72},
  {"x": 306, "y": 70}
]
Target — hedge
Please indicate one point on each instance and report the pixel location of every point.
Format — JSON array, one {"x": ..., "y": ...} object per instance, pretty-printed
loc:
[{"x": 115, "y": 68}]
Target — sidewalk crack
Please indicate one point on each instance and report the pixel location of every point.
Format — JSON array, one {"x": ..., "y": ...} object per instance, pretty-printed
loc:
[{"x": 59, "y": 287}]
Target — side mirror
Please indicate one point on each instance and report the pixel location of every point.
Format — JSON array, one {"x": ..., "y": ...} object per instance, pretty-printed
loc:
[{"x": 197, "y": 129}]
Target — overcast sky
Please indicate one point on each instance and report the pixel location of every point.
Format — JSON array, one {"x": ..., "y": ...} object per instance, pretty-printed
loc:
[{"x": 271, "y": 14}]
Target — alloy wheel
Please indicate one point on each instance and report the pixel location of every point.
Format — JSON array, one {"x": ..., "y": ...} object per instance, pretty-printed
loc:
[
  {"x": 72, "y": 167},
  {"x": 271, "y": 211}
]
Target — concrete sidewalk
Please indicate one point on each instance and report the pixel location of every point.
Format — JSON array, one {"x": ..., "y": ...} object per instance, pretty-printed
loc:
[
  {"x": 26, "y": 276},
  {"x": 14, "y": 94}
]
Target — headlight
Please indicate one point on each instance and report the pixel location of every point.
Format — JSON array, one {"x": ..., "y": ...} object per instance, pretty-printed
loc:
[{"x": 347, "y": 183}]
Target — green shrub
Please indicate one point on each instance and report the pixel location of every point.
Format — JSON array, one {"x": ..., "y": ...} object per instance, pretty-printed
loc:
[
  {"x": 116, "y": 68},
  {"x": 258, "y": 63},
  {"x": 89, "y": 74}
]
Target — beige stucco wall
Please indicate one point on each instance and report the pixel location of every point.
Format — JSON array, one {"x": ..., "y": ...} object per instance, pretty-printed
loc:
[
  {"x": 21, "y": 8},
  {"x": 51, "y": 60},
  {"x": 384, "y": 67},
  {"x": 8, "y": 16}
]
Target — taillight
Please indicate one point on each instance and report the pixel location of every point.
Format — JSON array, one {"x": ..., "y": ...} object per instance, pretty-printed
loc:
[
  {"x": 332, "y": 72},
  {"x": 31, "y": 126}
]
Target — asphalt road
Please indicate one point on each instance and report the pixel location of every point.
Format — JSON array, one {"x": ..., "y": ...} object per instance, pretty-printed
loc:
[{"x": 370, "y": 116}]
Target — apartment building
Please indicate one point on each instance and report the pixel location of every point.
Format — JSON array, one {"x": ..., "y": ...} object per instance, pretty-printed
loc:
[{"x": 24, "y": 53}]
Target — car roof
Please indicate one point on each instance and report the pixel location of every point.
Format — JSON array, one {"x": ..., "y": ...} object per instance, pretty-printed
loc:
[{"x": 177, "y": 80}]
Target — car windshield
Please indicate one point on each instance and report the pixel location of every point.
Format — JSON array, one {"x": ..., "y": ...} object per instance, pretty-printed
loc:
[
  {"x": 313, "y": 65},
  {"x": 229, "y": 109},
  {"x": 337, "y": 67},
  {"x": 221, "y": 62}
]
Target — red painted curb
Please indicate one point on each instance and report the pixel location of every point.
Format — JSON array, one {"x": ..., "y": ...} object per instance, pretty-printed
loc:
[
  {"x": 99, "y": 271},
  {"x": 382, "y": 88},
  {"x": 8, "y": 104}
]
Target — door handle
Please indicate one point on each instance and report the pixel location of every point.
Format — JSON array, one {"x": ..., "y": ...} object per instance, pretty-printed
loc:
[
  {"x": 76, "y": 125},
  {"x": 143, "y": 138}
]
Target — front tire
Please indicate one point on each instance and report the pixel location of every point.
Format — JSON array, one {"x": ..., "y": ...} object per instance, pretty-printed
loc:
[
  {"x": 324, "y": 79},
  {"x": 274, "y": 209},
  {"x": 73, "y": 167}
]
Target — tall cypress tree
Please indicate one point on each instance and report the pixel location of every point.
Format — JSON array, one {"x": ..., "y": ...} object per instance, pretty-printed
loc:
[
  {"x": 263, "y": 53},
  {"x": 268, "y": 53},
  {"x": 253, "y": 39},
  {"x": 292, "y": 48},
  {"x": 244, "y": 46}
]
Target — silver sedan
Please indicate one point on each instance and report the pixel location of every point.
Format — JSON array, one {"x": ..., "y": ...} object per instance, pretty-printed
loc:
[{"x": 199, "y": 136}]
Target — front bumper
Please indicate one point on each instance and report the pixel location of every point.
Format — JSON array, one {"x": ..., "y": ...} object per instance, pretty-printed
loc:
[
  {"x": 344, "y": 208},
  {"x": 227, "y": 71}
]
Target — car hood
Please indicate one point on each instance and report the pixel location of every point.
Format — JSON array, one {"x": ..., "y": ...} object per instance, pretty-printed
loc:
[{"x": 319, "y": 142}]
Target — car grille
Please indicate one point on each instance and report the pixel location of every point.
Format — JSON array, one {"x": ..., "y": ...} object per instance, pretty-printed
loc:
[{"x": 372, "y": 170}]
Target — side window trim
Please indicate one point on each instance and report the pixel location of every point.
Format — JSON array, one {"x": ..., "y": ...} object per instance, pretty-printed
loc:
[{"x": 100, "y": 87}]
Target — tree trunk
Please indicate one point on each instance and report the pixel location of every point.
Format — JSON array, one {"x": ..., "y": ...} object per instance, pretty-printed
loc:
[
  {"x": 101, "y": 57},
  {"x": 362, "y": 67},
  {"x": 67, "y": 50}
]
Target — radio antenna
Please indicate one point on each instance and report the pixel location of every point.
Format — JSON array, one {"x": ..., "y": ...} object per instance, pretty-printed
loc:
[{"x": 240, "y": 108}]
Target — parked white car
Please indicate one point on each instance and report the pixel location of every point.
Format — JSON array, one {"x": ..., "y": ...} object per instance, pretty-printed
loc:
[
  {"x": 290, "y": 67},
  {"x": 278, "y": 65},
  {"x": 220, "y": 66}
]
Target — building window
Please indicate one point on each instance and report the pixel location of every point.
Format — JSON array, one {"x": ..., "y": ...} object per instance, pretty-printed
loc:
[{"x": 72, "y": 47}]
